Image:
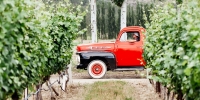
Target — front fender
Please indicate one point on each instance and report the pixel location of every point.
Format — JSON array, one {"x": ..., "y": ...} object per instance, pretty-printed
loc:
[{"x": 87, "y": 56}]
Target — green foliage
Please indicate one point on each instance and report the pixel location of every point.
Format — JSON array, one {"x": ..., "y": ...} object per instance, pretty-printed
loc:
[
  {"x": 109, "y": 90},
  {"x": 111, "y": 24},
  {"x": 179, "y": 1},
  {"x": 118, "y": 2},
  {"x": 107, "y": 25},
  {"x": 137, "y": 15},
  {"x": 109, "y": 16},
  {"x": 172, "y": 47},
  {"x": 35, "y": 42}
]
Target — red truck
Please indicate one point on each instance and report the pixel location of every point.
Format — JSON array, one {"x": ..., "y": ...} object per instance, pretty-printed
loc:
[{"x": 121, "y": 55}]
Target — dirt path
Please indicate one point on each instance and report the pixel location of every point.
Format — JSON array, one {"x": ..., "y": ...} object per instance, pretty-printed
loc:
[{"x": 143, "y": 90}]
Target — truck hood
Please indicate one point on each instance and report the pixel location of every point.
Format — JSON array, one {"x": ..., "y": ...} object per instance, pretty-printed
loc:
[{"x": 108, "y": 46}]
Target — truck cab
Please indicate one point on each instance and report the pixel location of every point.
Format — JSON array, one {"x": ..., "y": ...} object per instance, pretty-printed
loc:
[{"x": 124, "y": 54}]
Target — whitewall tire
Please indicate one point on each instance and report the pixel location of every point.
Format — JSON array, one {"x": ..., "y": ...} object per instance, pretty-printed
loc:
[{"x": 96, "y": 69}]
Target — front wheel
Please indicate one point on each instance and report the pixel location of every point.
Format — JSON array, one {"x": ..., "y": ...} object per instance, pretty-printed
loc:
[{"x": 97, "y": 69}]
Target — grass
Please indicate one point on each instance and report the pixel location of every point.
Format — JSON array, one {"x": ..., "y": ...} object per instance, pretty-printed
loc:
[{"x": 109, "y": 90}]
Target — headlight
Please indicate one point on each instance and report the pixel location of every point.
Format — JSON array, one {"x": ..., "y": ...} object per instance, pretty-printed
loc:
[{"x": 78, "y": 59}]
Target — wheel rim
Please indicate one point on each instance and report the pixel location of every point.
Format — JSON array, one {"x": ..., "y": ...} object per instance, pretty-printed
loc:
[{"x": 97, "y": 69}]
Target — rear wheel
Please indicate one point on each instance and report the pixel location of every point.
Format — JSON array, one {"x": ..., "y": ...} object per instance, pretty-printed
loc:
[{"x": 97, "y": 69}]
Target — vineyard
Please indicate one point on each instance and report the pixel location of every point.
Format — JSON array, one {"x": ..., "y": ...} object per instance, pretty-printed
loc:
[
  {"x": 172, "y": 47},
  {"x": 35, "y": 42}
]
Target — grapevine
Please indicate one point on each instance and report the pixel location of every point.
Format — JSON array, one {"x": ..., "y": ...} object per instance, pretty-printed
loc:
[
  {"x": 172, "y": 47},
  {"x": 35, "y": 42}
]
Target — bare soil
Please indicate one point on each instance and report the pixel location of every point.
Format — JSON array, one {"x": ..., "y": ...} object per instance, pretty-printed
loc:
[
  {"x": 143, "y": 90},
  {"x": 141, "y": 86},
  {"x": 112, "y": 75}
]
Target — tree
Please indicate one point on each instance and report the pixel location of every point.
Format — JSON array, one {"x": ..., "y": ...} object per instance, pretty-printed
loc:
[
  {"x": 110, "y": 21},
  {"x": 147, "y": 12},
  {"x": 118, "y": 22},
  {"x": 103, "y": 28},
  {"x": 118, "y": 2},
  {"x": 113, "y": 22},
  {"x": 99, "y": 19}
]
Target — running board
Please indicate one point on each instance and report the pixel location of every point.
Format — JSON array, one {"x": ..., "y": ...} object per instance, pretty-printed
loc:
[{"x": 129, "y": 69}]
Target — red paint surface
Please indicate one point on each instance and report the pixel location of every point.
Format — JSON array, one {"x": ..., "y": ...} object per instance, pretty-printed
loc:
[{"x": 126, "y": 53}]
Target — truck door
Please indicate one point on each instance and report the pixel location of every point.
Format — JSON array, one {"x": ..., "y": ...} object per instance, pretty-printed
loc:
[{"x": 129, "y": 51}]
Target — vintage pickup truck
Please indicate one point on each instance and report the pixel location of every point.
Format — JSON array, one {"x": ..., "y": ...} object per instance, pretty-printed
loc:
[{"x": 125, "y": 54}]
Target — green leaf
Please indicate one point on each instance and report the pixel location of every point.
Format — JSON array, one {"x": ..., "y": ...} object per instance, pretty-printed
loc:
[
  {"x": 5, "y": 52},
  {"x": 179, "y": 71},
  {"x": 2, "y": 33},
  {"x": 187, "y": 71},
  {"x": 6, "y": 88}
]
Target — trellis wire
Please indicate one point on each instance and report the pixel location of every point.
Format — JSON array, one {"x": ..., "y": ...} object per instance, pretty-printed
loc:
[{"x": 40, "y": 89}]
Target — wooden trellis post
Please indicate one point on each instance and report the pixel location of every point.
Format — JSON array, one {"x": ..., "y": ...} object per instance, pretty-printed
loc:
[
  {"x": 123, "y": 18},
  {"x": 93, "y": 21}
]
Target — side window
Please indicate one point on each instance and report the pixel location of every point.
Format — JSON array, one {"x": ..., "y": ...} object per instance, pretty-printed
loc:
[{"x": 132, "y": 35}]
